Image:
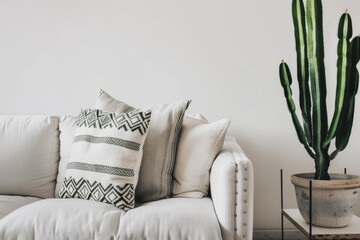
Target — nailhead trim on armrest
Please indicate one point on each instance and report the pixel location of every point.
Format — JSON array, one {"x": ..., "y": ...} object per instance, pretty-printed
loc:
[{"x": 245, "y": 202}]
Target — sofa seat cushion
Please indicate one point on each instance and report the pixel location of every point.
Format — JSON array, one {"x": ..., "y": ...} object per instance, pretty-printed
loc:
[
  {"x": 9, "y": 203},
  {"x": 70, "y": 219},
  {"x": 172, "y": 218}
]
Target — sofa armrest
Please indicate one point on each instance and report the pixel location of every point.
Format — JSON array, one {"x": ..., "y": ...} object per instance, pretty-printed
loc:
[{"x": 232, "y": 191}]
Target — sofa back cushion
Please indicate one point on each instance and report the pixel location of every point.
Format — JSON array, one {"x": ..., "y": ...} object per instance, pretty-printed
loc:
[
  {"x": 67, "y": 127},
  {"x": 29, "y": 155}
]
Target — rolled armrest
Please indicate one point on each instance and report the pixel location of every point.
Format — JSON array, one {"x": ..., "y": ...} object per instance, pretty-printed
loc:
[{"x": 232, "y": 191}]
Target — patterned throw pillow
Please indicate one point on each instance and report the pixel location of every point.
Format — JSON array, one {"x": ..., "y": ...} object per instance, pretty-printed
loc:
[
  {"x": 106, "y": 157},
  {"x": 155, "y": 178}
]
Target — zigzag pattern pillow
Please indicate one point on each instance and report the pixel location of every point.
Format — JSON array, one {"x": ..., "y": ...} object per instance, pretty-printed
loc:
[{"x": 106, "y": 157}]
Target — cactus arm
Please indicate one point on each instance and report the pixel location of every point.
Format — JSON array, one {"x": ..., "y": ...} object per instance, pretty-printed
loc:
[
  {"x": 286, "y": 81},
  {"x": 344, "y": 132},
  {"x": 343, "y": 66},
  {"x": 334, "y": 154},
  {"x": 298, "y": 13},
  {"x": 318, "y": 86},
  {"x": 317, "y": 71}
]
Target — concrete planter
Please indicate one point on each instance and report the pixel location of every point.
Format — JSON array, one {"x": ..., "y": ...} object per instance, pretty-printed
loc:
[{"x": 333, "y": 201}]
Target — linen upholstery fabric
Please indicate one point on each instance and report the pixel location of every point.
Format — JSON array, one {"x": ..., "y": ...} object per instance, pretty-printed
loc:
[
  {"x": 155, "y": 178},
  {"x": 173, "y": 219},
  {"x": 199, "y": 144},
  {"x": 196, "y": 116},
  {"x": 106, "y": 156},
  {"x": 70, "y": 219},
  {"x": 77, "y": 219},
  {"x": 67, "y": 127},
  {"x": 232, "y": 191},
  {"x": 106, "y": 102},
  {"x": 29, "y": 155},
  {"x": 9, "y": 203}
]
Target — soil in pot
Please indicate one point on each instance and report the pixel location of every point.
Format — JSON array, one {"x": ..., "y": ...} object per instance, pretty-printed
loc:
[{"x": 333, "y": 201}]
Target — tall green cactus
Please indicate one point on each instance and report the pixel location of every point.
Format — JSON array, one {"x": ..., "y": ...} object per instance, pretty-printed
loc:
[{"x": 314, "y": 133}]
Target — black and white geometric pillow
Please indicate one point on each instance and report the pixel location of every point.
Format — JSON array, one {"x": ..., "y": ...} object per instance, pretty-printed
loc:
[{"x": 106, "y": 156}]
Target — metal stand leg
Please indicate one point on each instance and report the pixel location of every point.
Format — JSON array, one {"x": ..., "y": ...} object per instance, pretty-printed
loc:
[
  {"x": 282, "y": 204},
  {"x": 310, "y": 210}
]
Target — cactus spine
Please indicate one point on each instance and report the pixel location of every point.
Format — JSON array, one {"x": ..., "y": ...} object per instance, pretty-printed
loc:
[{"x": 314, "y": 133}]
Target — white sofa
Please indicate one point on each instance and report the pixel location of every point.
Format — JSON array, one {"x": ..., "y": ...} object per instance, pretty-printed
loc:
[{"x": 29, "y": 209}]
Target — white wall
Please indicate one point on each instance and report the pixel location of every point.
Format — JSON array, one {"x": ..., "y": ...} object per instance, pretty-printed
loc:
[{"x": 55, "y": 55}]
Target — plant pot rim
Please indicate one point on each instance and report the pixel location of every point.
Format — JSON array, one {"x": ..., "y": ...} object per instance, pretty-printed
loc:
[{"x": 338, "y": 181}]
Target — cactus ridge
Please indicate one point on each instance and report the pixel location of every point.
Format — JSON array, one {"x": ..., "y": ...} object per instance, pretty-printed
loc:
[
  {"x": 302, "y": 66},
  {"x": 345, "y": 125},
  {"x": 314, "y": 134}
]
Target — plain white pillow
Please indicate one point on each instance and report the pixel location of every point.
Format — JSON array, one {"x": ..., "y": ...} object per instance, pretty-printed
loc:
[{"x": 199, "y": 144}]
